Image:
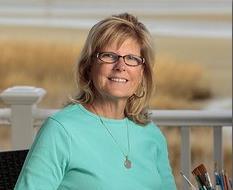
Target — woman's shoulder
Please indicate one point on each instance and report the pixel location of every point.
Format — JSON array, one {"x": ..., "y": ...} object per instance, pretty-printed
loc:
[
  {"x": 154, "y": 130},
  {"x": 66, "y": 113}
]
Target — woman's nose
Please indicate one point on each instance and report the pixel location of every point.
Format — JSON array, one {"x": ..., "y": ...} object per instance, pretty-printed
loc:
[{"x": 120, "y": 64}]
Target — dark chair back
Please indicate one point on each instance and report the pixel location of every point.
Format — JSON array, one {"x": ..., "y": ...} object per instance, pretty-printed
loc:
[{"x": 11, "y": 163}]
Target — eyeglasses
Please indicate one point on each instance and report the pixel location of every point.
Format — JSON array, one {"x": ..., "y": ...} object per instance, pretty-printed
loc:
[{"x": 130, "y": 60}]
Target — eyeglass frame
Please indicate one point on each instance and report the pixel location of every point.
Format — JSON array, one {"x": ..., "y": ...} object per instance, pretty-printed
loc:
[{"x": 123, "y": 56}]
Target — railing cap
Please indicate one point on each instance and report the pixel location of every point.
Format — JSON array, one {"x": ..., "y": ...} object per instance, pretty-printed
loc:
[{"x": 21, "y": 95}]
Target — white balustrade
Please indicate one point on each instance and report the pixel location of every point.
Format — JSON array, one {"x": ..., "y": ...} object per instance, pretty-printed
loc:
[{"x": 22, "y": 101}]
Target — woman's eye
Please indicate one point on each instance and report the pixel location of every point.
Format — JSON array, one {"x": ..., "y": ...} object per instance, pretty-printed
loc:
[
  {"x": 131, "y": 57},
  {"x": 110, "y": 55}
]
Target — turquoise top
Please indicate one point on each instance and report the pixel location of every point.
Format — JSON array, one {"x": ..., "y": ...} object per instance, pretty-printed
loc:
[{"x": 74, "y": 151}]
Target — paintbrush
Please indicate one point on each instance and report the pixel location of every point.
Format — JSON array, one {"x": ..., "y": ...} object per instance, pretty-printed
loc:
[
  {"x": 203, "y": 170},
  {"x": 198, "y": 177},
  {"x": 203, "y": 177},
  {"x": 191, "y": 185}
]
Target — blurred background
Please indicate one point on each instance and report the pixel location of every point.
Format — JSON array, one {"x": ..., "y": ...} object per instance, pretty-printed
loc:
[{"x": 40, "y": 41}]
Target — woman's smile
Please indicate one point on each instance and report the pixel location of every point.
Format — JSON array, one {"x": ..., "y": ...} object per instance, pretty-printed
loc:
[{"x": 118, "y": 79}]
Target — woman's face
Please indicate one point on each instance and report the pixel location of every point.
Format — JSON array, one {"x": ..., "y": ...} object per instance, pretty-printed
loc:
[{"x": 117, "y": 80}]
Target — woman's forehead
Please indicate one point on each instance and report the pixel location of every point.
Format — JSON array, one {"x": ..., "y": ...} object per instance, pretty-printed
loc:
[{"x": 122, "y": 43}]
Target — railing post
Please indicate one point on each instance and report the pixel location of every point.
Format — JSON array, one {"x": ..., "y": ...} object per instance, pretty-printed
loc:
[
  {"x": 22, "y": 100},
  {"x": 218, "y": 150},
  {"x": 185, "y": 155}
]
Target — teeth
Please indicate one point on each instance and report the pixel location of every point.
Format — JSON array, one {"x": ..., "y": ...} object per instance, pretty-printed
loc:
[{"x": 118, "y": 80}]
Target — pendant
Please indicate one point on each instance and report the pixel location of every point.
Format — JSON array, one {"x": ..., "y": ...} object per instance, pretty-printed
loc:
[{"x": 127, "y": 163}]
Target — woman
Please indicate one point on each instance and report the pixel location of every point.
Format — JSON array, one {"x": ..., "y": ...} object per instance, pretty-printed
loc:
[{"x": 104, "y": 140}]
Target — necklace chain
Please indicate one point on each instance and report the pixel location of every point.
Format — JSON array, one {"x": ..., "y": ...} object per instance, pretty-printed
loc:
[
  {"x": 127, "y": 162},
  {"x": 115, "y": 139}
]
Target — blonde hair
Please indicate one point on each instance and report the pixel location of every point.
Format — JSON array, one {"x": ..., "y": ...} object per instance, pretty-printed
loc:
[{"x": 117, "y": 28}]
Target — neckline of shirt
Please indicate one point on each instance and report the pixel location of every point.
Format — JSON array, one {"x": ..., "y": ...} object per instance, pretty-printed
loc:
[{"x": 104, "y": 119}]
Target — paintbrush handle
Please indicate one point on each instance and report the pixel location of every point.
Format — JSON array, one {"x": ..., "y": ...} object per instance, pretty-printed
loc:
[{"x": 187, "y": 180}]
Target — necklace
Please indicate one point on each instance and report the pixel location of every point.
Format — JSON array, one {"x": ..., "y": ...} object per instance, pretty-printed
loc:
[{"x": 127, "y": 162}]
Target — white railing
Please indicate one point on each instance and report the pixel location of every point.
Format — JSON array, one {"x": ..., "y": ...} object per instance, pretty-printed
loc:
[{"x": 23, "y": 114}]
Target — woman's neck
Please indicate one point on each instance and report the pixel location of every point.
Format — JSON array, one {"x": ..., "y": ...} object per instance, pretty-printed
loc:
[{"x": 112, "y": 110}]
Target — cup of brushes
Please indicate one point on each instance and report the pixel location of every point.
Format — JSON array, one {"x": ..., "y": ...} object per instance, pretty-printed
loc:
[{"x": 222, "y": 182}]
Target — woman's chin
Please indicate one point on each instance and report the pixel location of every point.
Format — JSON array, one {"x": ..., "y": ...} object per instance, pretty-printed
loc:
[{"x": 118, "y": 95}]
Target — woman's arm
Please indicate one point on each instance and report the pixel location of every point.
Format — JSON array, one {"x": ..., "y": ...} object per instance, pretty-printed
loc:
[
  {"x": 47, "y": 160},
  {"x": 162, "y": 161},
  {"x": 164, "y": 167}
]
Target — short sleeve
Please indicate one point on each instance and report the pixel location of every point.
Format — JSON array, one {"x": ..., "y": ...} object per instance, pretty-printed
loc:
[{"x": 47, "y": 160}]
